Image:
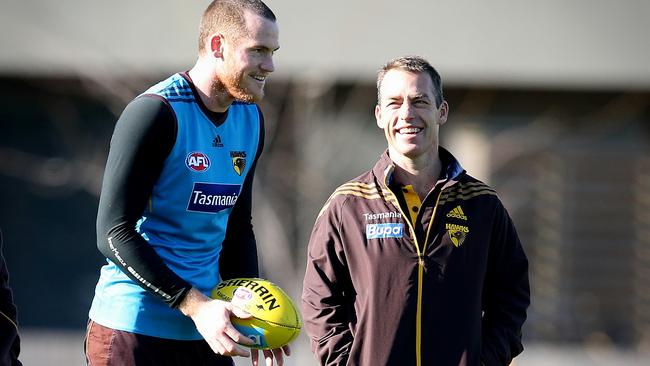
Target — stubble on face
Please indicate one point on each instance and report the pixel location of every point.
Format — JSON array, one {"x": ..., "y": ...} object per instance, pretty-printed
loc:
[
  {"x": 231, "y": 82},
  {"x": 242, "y": 66},
  {"x": 247, "y": 60}
]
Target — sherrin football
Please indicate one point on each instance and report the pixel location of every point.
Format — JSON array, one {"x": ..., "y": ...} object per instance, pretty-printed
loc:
[{"x": 275, "y": 320}]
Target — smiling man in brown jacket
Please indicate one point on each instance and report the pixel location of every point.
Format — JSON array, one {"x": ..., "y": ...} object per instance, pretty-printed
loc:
[{"x": 414, "y": 262}]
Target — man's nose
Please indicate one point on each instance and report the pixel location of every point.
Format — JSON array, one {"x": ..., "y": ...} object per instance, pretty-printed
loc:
[
  {"x": 406, "y": 111},
  {"x": 267, "y": 64}
]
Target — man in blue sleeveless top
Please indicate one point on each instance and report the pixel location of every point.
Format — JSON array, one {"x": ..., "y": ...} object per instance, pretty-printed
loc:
[{"x": 174, "y": 214}]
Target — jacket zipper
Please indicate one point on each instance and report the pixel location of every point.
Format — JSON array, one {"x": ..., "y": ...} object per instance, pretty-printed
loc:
[{"x": 418, "y": 316}]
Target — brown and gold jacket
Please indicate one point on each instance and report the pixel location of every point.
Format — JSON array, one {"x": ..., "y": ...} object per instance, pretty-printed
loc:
[{"x": 450, "y": 289}]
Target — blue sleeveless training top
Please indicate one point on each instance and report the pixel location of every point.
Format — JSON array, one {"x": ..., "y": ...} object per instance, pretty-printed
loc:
[{"x": 186, "y": 219}]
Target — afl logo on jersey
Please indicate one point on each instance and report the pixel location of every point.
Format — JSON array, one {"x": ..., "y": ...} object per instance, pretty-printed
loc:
[{"x": 197, "y": 161}]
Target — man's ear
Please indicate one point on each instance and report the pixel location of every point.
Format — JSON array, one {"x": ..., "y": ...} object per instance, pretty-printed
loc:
[
  {"x": 217, "y": 42},
  {"x": 443, "y": 113},
  {"x": 380, "y": 124}
]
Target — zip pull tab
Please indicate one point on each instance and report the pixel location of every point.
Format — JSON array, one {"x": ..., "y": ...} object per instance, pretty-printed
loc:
[{"x": 421, "y": 261}]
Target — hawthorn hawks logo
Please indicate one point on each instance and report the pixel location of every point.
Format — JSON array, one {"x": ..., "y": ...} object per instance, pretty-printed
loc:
[
  {"x": 457, "y": 233},
  {"x": 238, "y": 161},
  {"x": 197, "y": 161}
]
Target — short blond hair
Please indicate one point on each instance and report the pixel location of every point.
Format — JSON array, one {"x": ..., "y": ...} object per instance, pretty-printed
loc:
[{"x": 227, "y": 17}]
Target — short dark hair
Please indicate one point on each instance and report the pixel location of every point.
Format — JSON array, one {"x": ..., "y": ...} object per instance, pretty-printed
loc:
[
  {"x": 415, "y": 64},
  {"x": 227, "y": 16}
]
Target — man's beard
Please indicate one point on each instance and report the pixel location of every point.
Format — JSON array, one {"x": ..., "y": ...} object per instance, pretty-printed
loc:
[{"x": 233, "y": 84}]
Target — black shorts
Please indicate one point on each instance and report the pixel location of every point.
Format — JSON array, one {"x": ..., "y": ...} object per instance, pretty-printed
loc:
[{"x": 107, "y": 347}]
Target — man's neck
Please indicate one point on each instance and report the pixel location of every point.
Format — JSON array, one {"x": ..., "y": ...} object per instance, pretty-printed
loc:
[
  {"x": 204, "y": 78},
  {"x": 422, "y": 172}
]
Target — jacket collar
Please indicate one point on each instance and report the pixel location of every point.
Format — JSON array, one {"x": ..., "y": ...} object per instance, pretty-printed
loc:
[{"x": 451, "y": 168}]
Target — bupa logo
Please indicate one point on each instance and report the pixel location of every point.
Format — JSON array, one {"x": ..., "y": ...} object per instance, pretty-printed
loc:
[
  {"x": 378, "y": 231},
  {"x": 198, "y": 162}
]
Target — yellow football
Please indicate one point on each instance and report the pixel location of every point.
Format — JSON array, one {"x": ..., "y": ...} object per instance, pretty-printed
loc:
[{"x": 275, "y": 319}]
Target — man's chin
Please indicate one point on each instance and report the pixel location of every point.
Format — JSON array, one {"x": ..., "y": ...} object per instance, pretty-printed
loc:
[
  {"x": 411, "y": 152},
  {"x": 249, "y": 97},
  {"x": 238, "y": 90}
]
